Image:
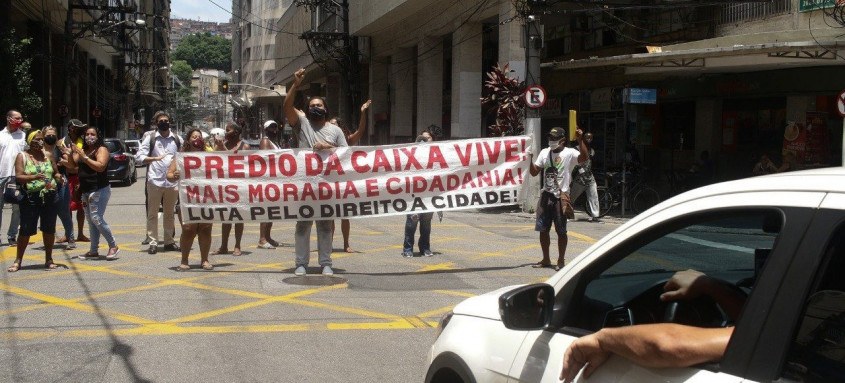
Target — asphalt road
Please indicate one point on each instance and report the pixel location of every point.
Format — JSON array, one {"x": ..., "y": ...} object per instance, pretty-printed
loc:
[{"x": 251, "y": 320}]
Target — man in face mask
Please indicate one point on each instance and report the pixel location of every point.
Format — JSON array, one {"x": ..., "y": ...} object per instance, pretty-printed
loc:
[
  {"x": 75, "y": 130},
  {"x": 557, "y": 162},
  {"x": 316, "y": 133},
  {"x": 12, "y": 142},
  {"x": 157, "y": 152}
]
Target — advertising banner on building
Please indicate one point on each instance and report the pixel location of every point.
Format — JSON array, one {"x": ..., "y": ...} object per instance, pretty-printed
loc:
[{"x": 362, "y": 181}]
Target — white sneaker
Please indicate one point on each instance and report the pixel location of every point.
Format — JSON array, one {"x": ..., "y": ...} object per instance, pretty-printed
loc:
[
  {"x": 327, "y": 270},
  {"x": 300, "y": 271}
]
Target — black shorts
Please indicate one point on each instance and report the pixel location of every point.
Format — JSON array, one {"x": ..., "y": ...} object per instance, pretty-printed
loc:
[
  {"x": 33, "y": 211},
  {"x": 548, "y": 212}
]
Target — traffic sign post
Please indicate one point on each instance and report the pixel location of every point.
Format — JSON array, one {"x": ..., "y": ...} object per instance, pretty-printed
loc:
[
  {"x": 840, "y": 107},
  {"x": 535, "y": 96}
]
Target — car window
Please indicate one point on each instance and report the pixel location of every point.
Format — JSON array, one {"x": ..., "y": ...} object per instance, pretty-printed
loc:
[
  {"x": 817, "y": 353},
  {"x": 626, "y": 288},
  {"x": 114, "y": 146}
]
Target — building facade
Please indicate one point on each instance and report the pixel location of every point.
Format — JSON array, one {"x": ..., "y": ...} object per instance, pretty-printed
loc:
[{"x": 98, "y": 62}]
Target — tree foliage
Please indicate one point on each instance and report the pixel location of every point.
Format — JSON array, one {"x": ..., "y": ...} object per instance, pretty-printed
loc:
[
  {"x": 203, "y": 50},
  {"x": 182, "y": 71},
  {"x": 15, "y": 73},
  {"x": 506, "y": 98},
  {"x": 182, "y": 110}
]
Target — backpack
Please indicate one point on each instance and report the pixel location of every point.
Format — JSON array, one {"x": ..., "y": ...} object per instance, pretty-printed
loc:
[{"x": 154, "y": 136}]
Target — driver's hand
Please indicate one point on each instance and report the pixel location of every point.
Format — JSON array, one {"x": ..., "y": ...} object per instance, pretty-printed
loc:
[
  {"x": 685, "y": 285},
  {"x": 584, "y": 351}
]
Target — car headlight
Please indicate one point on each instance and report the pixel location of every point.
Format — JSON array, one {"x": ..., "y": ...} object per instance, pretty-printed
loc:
[{"x": 441, "y": 325}]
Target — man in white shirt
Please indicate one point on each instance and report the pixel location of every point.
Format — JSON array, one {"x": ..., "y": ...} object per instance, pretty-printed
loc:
[
  {"x": 12, "y": 142},
  {"x": 557, "y": 162},
  {"x": 157, "y": 151}
]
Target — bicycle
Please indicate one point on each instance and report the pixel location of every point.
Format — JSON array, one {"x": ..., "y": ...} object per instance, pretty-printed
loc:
[{"x": 639, "y": 197}]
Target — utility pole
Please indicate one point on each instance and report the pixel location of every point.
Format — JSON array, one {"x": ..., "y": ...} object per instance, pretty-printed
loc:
[{"x": 533, "y": 45}]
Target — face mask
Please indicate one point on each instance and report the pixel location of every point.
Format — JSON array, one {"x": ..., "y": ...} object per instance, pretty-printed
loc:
[
  {"x": 316, "y": 113},
  {"x": 50, "y": 140},
  {"x": 15, "y": 123},
  {"x": 198, "y": 143},
  {"x": 553, "y": 145},
  {"x": 162, "y": 126},
  {"x": 90, "y": 141}
]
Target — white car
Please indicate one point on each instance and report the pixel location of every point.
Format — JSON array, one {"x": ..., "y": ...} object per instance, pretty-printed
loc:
[{"x": 778, "y": 238}]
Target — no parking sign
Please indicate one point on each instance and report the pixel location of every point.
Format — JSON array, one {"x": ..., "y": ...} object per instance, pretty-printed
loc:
[{"x": 535, "y": 96}]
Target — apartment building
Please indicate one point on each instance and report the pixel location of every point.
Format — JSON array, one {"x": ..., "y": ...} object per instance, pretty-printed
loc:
[{"x": 101, "y": 62}]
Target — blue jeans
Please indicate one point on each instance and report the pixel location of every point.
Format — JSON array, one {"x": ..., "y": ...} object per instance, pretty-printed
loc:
[
  {"x": 94, "y": 204},
  {"x": 16, "y": 212},
  {"x": 63, "y": 211},
  {"x": 425, "y": 232}
]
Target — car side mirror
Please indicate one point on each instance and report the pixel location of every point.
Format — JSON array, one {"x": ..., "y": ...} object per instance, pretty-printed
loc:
[{"x": 527, "y": 307}]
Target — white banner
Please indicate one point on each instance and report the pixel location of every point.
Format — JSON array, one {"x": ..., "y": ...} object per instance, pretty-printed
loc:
[{"x": 361, "y": 181}]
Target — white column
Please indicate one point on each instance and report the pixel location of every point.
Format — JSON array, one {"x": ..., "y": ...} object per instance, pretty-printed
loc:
[
  {"x": 402, "y": 92},
  {"x": 466, "y": 81},
  {"x": 429, "y": 82},
  {"x": 379, "y": 94},
  {"x": 511, "y": 48}
]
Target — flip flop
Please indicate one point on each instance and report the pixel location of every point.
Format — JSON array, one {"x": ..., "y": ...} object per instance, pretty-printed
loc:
[
  {"x": 557, "y": 267},
  {"x": 541, "y": 265},
  {"x": 50, "y": 266},
  {"x": 207, "y": 266},
  {"x": 273, "y": 242},
  {"x": 183, "y": 268},
  {"x": 14, "y": 267},
  {"x": 349, "y": 250},
  {"x": 266, "y": 245},
  {"x": 237, "y": 252},
  {"x": 220, "y": 251}
]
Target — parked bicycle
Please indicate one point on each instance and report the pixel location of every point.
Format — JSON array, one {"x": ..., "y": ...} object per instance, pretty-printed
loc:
[{"x": 639, "y": 197}]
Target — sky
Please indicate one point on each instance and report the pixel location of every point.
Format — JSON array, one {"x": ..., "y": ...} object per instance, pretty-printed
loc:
[{"x": 203, "y": 10}]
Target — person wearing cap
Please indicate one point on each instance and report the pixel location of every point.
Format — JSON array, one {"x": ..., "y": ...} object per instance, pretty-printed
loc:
[
  {"x": 75, "y": 130},
  {"x": 157, "y": 151},
  {"x": 39, "y": 179},
  {"x": 269, "y": 142},
  {"x": 557, "y": 162},
  {"x": 12, "y": 142}
]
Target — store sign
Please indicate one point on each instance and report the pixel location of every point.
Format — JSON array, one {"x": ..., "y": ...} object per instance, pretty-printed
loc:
[
  {"x": 812, "y": 5},
  {"x": 639, "y": 96}
]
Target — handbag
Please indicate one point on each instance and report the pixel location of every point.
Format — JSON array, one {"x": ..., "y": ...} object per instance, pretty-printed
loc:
[
  {"x": 566, "y": 206},
  {"x": 13, "y": 193}
]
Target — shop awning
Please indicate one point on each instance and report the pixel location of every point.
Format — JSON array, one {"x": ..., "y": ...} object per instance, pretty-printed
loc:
[{"x": 736, "y": 58}]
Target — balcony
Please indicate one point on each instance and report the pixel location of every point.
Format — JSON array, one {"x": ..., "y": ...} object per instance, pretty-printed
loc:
[{"x": 743, "y": 12}]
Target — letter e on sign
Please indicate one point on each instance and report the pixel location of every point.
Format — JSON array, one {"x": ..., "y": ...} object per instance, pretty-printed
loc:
[{"x": 535, "y": 96}]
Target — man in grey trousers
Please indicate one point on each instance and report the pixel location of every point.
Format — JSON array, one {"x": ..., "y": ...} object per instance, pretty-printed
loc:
[{"x": 314, "y": 132}]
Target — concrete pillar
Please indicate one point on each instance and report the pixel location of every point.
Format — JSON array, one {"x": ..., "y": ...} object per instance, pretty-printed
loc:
[
  {"x": 429, "y": 82},
  {"x": 402, "y": 96},
  {"x": 466, "y": 81},
  {"x": 379, "y": 90},
  {"x": 511, "y": 48}
]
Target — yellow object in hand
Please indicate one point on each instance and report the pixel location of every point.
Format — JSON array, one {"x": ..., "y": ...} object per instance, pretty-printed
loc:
[{"x": 573, "y": 124}]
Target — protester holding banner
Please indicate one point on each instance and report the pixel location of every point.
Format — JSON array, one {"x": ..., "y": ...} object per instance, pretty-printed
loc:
[
  {"x": 232, "y": 142},
  {"x": 557, "y": 162},
  {"x": 351, "y": 139},
  {"x": 269, "y": 142},
  {"x": 424, "y": 220},
  {"x": 193, "y": 143},
  {"x": 317, "y": 133}
]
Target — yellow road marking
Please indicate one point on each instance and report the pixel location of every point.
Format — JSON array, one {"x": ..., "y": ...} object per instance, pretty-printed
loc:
[{"x": 438, "y": 266}]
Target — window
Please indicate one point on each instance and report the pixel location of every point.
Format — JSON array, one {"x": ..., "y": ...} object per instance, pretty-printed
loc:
[
  {"x": 625, "y": 288},
  {"x": 817, "y": 353}
]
